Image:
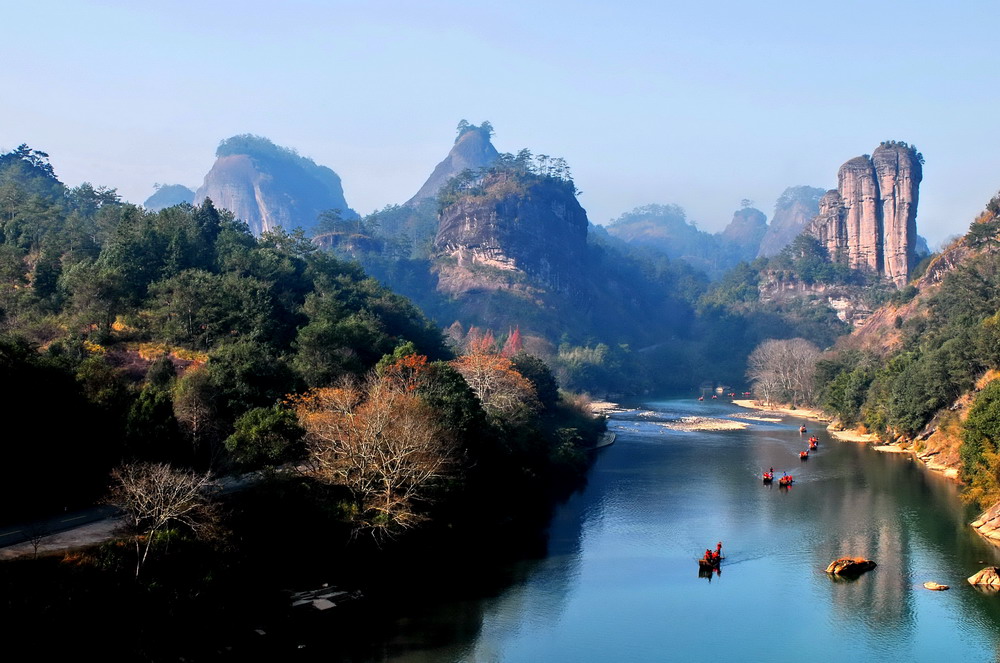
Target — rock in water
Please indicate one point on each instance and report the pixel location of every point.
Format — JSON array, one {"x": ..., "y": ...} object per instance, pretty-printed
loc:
[
  {"x": 990, "y": 576},
  {"x": 850, "y": 566},
  {"x": 936, "y": 587}
]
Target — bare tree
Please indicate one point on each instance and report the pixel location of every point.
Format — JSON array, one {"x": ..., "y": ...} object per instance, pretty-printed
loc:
[
  {"x": 35, "y": 532},
  {"x": 154, "y": 496},
  {"x": 783, "y": 370},
  {"x": 505, "y": 394},
  {"x": 382, "y": 442}
]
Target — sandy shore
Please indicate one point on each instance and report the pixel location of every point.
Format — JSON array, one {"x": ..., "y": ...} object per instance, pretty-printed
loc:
[
  {"x": 605, "y": 407},
  {"x": 703, "y": 423},
  {"x": 815, "y": 415}
]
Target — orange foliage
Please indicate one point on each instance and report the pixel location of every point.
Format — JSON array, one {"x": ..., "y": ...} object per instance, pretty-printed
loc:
[
  {"x": 380, "y": 440},
  {"x": 405, "y": 373},
  {"x": 503, "y": 392}
]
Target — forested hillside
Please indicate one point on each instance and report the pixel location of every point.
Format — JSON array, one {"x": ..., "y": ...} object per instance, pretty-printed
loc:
[
  {"x": 923, "y": 369},
  {"x": 179, "y": 337}
]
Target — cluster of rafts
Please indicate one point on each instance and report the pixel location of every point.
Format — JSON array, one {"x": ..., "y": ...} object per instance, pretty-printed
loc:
[
  {"x": 787, "y": 479},
  {"x": 712, "y": 561}
]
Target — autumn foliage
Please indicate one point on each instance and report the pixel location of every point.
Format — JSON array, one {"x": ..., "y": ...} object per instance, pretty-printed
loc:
[
  {"x": 505, "y": 394},
  {"x": 380, "y": 440}
]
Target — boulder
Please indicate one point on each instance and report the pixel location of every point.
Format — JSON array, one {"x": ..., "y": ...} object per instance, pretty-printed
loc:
[
  {"x": 935, "y": 587},
  {"x": 990, "y": 576},
  {"x": 850, "y": 566}
]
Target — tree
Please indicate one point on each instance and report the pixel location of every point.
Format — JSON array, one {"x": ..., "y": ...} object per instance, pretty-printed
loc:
[
  {"x": 506, "y": 395},
  {"x": 265, "y": 436},
  {"x": 979, "y": 449},
  {"x": 783, "y": 370},
  {"x": 380, "y": 441},
  {"x": 194, "y": 398},
  {"x": 155, "y": 496},
  {"x": 540, "y": 375}
]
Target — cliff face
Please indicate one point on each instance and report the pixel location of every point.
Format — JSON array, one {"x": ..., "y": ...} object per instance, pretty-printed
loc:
[
  {"x": 534, "y": 226},
  {"x": 869, "y": 222},
  {"x": 899, "y": 174},
  {"x": 268, "y": 186},
  {"x": 796, "y": 207},
  {"x": 472, "y": 151}
]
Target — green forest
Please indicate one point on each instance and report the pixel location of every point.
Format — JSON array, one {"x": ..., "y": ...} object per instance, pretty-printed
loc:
[{"x": 178, "y": 337}]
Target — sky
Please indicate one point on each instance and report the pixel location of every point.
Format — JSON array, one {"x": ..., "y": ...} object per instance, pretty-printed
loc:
[{"x": 696, "y": 104}]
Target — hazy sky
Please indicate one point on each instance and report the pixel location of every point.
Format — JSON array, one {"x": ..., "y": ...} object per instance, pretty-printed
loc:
[{"x": 699, "y": 104}]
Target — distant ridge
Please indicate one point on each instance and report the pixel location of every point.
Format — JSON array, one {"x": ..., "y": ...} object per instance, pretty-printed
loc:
[{"x": 168, "y": 195}]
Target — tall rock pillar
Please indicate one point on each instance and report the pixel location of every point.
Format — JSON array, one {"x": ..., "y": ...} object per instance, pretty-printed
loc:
[
  {"x": 870, "y": 220},
  {"x": 858, "y": 189},
  {"x": 899, "y": 174}
]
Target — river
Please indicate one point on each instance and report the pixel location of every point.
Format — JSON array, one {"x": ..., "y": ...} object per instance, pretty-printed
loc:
[{"x": 619, "y": 580}]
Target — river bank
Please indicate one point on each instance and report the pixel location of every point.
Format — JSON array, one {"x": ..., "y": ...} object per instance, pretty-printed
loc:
[{"x": 928, "y": 459}]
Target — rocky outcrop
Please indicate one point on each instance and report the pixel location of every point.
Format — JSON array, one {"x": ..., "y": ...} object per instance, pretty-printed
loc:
[
  {"x": 899, "y": 173},
  {"x": 869, "y": 221},
  {"x": 529, "y": 224},
  {"x": 988, "y": 577},
  {"x": 988, "y": 524},
  {"x": 794, "y": 210},
  {"x": 268, "y": 186},
  {"x": 850, "y": 566},
  {"x": 472, "y": 151}
]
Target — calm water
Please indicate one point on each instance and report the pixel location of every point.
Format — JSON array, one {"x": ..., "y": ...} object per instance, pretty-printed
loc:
[{"x": 620, "y": 582}]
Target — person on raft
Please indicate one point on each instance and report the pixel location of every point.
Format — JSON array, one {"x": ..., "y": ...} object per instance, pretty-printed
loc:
[
  {"x": 708, "y": 555},
  {"x": 718, "y": 551}
]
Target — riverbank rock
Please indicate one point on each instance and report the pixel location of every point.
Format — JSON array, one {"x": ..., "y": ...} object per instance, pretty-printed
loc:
[
  {"x": 988, "y": 524},
  {"x": 850, "y": 566},
  {"x": 990, "y": 576},
  {"x": 935, "y": 587}
]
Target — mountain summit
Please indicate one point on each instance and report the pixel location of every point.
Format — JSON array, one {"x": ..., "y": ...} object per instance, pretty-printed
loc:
[
  {"x": 472, "y": 151},
  {"x": 269, "y": 186}
]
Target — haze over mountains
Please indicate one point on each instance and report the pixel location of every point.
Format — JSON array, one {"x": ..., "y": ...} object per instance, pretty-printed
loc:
[{"x": 501, "y": 241}]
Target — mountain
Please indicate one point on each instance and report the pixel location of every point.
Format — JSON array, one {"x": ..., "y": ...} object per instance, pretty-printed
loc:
[
  {"x": 269, "y": 186},
  {"x": 870, "y": 220},
  {"x": 741, "y": 238},
  {"x": 472, "y": 151},
  {"x": 795, "y": 209},
  {"x": 510, "y": 220},
  {"x": 665, "y": 228},
  {"x": 168, "y": 195}
]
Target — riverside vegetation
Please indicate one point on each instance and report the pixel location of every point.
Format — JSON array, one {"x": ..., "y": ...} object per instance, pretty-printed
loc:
[
  {"x": 175, "y": 344},
  {"x": 194, "y": 346}
]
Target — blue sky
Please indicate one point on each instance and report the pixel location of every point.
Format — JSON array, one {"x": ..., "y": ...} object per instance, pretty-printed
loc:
[{"x": 698, "y": 104}]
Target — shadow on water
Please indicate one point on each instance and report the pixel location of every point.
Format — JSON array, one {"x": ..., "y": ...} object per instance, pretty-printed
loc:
[{"x": 623, "y": 552}]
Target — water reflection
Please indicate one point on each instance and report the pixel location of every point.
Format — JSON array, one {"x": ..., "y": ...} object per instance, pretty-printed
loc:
[{"x": 618, "y": 578}]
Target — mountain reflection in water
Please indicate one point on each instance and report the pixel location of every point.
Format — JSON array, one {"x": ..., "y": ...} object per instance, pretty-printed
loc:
[{"x": 619, "y": 579}]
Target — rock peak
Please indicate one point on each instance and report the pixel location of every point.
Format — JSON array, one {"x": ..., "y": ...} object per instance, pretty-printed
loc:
[
  {"x": 269, "y": 186},
  {"x": 869, "y": 221},
  {"x": 472, "y": 151}
]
